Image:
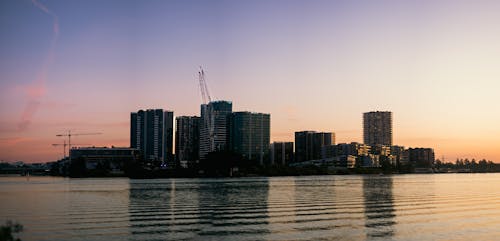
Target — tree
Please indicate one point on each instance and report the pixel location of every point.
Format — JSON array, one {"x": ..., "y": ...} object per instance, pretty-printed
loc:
[{"x": 8, "y": 229}]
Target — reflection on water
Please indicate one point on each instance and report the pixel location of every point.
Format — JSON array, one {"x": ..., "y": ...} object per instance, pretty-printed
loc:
[
  {"x": 198, "y": 209},
  {"x": 401, "y": 207},
  {"x": 379, "y": 207}
]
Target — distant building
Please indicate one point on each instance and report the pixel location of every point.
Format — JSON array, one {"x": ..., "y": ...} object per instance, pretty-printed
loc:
[
  {"x": 249, "y": 135},
  {"x": 213, "y": 126},
  {"x": 187, "y": 140},
  {"x": 401, "y": 155},
  {"x": 308, "y": 144},
  {"x": 421, "y": 157},
  {"x": 377, "y": 128},
  {"x": 281, "y": 153},
  {"x": 151, "y": 132},
  {"x": 370, "y": 160},
  {"x": 353, "y": 149},
  {"x": 345, "y": 161},
  {"x": 381, "y": 150},
  {"x": 112, "y": 159}
]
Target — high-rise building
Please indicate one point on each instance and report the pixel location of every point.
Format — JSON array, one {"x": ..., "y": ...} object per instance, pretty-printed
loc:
[
  {"x": 308, "y": 144},
  {"x": 213, "y": 126},
  {"x": 151, "y": 132},
  {"x": 187, "y": 140},
  {"x": 249, "y": 134},
  {"x": 377, "y": 128},
  {"x": 281, "y": 153}
]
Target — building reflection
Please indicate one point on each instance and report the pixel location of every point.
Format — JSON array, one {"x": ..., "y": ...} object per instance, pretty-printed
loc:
[
  {"x": 200, "y": 209},
  {"x": 379, "y": 207},
  {"x": 234, "y": 208},
  {"x": 163, "y": 209}
]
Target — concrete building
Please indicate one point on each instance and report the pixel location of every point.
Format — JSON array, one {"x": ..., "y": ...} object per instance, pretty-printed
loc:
[
  {"x": 401, "y": 155},
  {"x": 249, "y": 135},
  {"x": 151, "y": 132},
  {"x": 111, "y": 159},
  {"x": 421, "y": 157},
  {"x": 214, "y": 126},
  {"x": 281, "y": 153},
  {"x": 353, "y": 149},
  {"x": 377, "y": 128},
  {"x": 370, "y": 160},
  {"x": 381, "y": 150},
  {"x": 187, "y": 140},
  {"x": 309, "y": 144}
]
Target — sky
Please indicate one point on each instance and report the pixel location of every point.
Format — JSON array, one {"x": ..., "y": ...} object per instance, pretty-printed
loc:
[{"x": 313, "y": 65}]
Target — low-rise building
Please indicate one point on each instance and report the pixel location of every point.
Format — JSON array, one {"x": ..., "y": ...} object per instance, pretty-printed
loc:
[
  {"x": 421, "y": 157},
  {"x": 111, "y": 159}
]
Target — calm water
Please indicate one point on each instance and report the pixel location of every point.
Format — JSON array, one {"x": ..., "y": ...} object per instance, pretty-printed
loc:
[{"x": 402, "y": 207}]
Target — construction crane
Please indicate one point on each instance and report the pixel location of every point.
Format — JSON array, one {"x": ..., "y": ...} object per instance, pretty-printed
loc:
[
  {"x": 205, "y": 96},
  {"x": 64, "y": 144},
  {"x": 69, "y": 134}
]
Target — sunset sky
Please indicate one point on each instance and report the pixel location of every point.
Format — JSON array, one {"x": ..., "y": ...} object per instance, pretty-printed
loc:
[{"x": 314, "y": 65}]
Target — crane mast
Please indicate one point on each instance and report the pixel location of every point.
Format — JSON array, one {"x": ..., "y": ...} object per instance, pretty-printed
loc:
[
  {"x": 64, "y": 144},
  {"x": 69, "y": 134}
]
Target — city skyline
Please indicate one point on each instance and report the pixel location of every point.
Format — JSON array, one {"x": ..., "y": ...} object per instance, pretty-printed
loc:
[{"x": 74, "y": 66}]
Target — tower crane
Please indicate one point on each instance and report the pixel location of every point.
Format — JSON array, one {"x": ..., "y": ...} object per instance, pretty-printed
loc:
[
  {"x": 69, "y": 134},
  {"x": 64, "y": 144},
  {"x": 205, "y": 95},
  {"x": 206, "y": 99}
]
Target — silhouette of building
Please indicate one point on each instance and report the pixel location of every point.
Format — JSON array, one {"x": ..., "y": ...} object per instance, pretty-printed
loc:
[
  {"x": 213, "y": 126},
  {"x": 281, "y": 153},
  {"x": 112, "y": 159},
  {"x": 377, "y": 128},
  {"x": 187, "y": 140},
  {"x": 308, "y": 144},
  {"x": 249, "y": 135},
  {"x": 421, "y": 157},
  {"x": 151, "y": 132},
  {"x": 346, "y": 149}
]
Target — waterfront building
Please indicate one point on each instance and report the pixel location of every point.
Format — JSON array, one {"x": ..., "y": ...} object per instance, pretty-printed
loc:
[
  {"x": 381, "y": 150},
  {"x": 370, "y": 160},
  {"x": 187, "y": 140},
  {"x": 421, "y": 157},
  {"x": 213, "y": 126},
  {"x": 151, "y": 131},
  {"x": 345, "y": 161},
  {"x": 281, "y": 153},
  {"x": 353, "y": 149},
  {"x": 401, "y": 155},
  {"x": 112, "y": 159},
  {"x": 377, "y": 128},
  {"x": 308, "y": 144},
  {"x": 249, "y": 135}
]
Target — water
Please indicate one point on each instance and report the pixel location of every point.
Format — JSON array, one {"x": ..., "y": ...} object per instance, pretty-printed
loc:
[{"x": 401, "y": 207}]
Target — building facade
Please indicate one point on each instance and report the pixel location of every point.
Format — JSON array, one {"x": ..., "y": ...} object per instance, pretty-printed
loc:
[
  {"x": 281, "y": 153},
  {"x": 187, "y": 140},
  {"x": 421, "y": 157},
  {"x": 113, "y": 159},
  {"x": 249, "y": 135},
  {"x": 309, "y": 144},
  {"x": 214, "y": 126},
  {"x": 151, "y": 131},
  {"x": 377, "y": 128}
]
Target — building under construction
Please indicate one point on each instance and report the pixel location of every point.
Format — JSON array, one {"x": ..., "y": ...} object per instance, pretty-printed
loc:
[{"x": 213, "y": 127}]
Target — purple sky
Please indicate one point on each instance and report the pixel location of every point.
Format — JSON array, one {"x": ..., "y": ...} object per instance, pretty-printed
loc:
[{"x": 314, "y": 65}]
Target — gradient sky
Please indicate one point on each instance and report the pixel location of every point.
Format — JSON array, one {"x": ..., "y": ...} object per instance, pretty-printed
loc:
[{"x": 314, "y": 65}]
